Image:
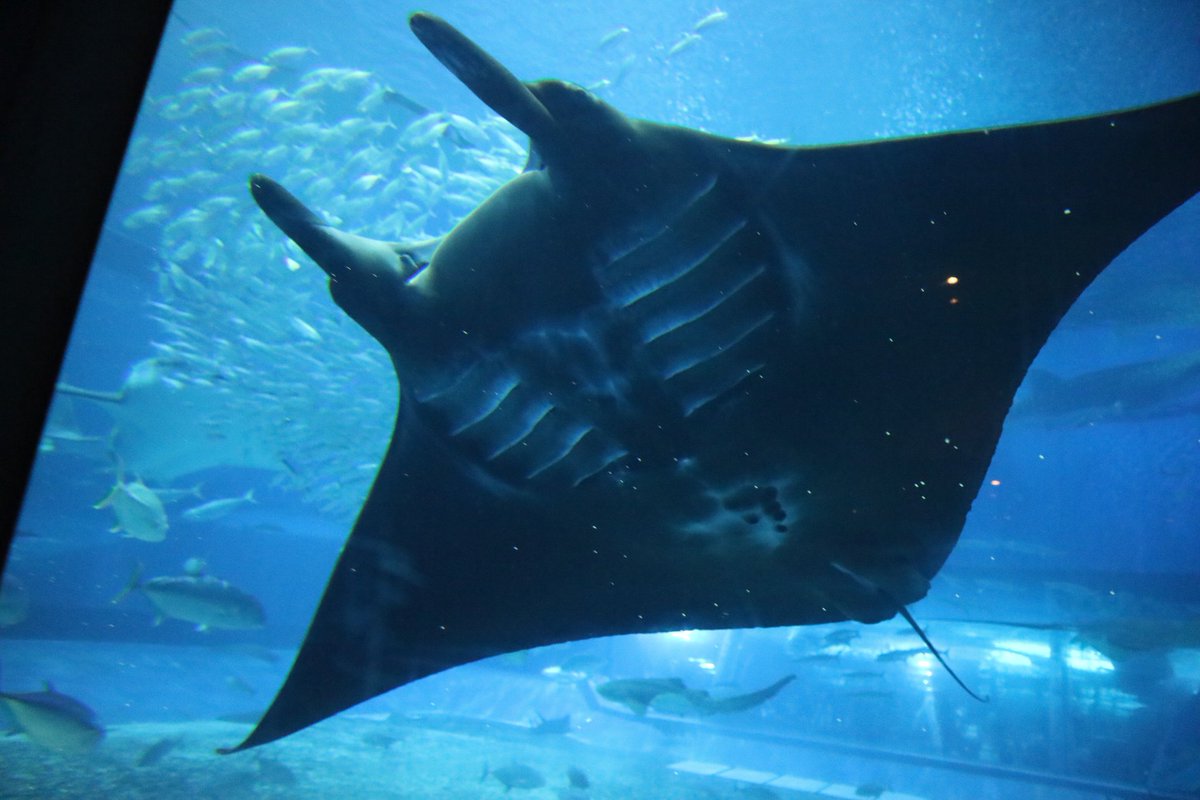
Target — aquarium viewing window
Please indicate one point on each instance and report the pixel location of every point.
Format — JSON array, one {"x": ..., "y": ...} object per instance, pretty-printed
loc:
[{"x": 781, "y": 400}]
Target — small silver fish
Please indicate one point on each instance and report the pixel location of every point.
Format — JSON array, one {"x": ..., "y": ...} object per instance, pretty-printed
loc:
[
  {"x": 686, "y": 41},
  {"x": 215, "y": 509},
  {"x": 252, "y": 73},
  {"x": 144, "y": 217},
  {"x": 287, "y": 54},
  {"x": 714, "y": 18},
  {"x": 304, "y": 329},
  {"x": 204, "y": 75},
  {"x": 201, "y": 36},
  {"x": 612, "y": 37}
]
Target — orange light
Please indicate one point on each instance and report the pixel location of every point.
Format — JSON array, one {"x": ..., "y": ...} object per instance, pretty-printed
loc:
[
  {"x": 953, "y": 301},
  {"x": 953, "y": 279}
]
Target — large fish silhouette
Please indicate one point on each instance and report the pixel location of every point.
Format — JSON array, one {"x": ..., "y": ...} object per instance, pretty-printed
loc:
[{"x": 666, "y": 380}]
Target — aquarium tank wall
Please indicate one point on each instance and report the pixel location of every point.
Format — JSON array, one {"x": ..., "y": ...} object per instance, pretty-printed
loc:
[{"x": 569, "y": 400}]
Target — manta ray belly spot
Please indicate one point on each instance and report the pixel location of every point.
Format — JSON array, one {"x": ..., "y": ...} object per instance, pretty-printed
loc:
[{"x": 759, "y": 515}]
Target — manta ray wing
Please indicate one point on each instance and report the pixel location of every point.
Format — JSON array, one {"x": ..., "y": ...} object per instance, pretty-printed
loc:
[{"x": 672, "y": 380}]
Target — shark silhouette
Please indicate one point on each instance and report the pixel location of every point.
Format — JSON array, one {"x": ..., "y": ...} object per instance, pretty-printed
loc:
[
  {"x": 664, "y": 379},
  {"x": 672, "y": 696},
  {"x": 1158, "y": 388}
]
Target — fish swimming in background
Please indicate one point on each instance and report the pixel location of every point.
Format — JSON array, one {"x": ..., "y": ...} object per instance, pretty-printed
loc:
[
  {"x": 152, "y": 407},
  {"x": 672, "y": 696},
  {"x": 157, "y": 751},
  {"x": 240, "y": 684},
  {"x": 577, "y": 778},
  {"x": 139, "y": 511},
  {"x": 167, "y": 495},
  {"x": 54, "y": 720},
  {"x": 615, "y": 35},
  {"x": 1122, "y": 638},
  {"x": 1162, "y": 387},
  {"x": 553, "y": 726},
  {"x": 62, "y": 432},
  {"x": 891, "y": 656},
  {"x": 289, "y": 54},
  {"x": 216, "y": 509},
  {"x": 575, "y": 669},
  {"x": 516, "y": 776},
  {"x": 203, "y": 600},
  {"x": 664, "y": 379},
  {"x": 14, "y": 600},
  {"x": 840, "y": 636},
  {"x": 685, "y": 42},
  {"x": 715, "y": 18},
  {"x": 274, "y": 771}
]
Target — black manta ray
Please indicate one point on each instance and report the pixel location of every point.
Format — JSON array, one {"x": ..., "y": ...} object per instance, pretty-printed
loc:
[{"x": 665, "y": 380}]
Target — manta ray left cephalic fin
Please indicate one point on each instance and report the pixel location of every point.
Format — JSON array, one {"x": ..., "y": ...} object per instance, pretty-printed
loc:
[{"x": 666, "y": 380}]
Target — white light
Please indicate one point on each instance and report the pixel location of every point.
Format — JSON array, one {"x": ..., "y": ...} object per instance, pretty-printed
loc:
[
  {"x": 1086, "y": 659},
  {"x": 921, "y": 661},
  {"x": 1036, "y": 649},
  {"x": 1010, "y": 659}
]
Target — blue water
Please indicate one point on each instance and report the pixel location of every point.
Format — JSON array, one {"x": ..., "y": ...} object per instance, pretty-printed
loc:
[{"x": 1095, "y": 518}]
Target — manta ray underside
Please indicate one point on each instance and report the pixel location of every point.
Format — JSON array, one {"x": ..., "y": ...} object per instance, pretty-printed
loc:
[{"x": 668, "y": 380}]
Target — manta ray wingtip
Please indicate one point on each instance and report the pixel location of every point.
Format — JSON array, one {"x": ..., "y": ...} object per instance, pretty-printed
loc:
[{"x": 256, "y": 738}]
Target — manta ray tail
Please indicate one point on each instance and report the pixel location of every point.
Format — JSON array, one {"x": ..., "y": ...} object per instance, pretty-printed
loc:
[
  {"x": 909, "y": 619},
  {"x": 884, "y": 593}
]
